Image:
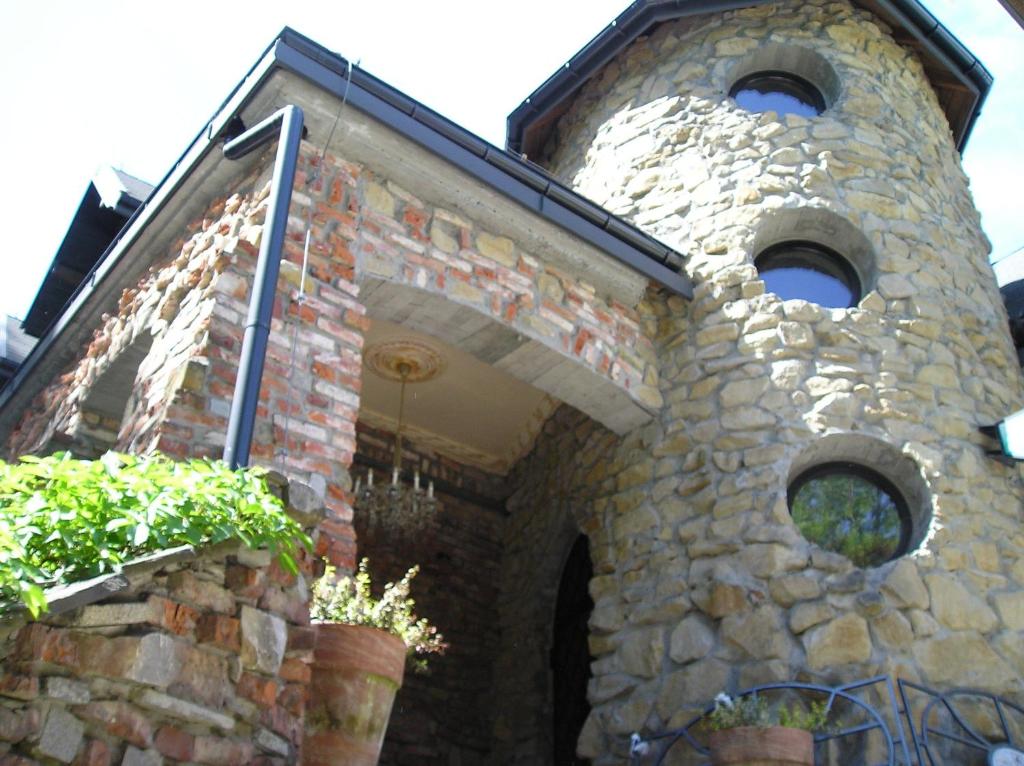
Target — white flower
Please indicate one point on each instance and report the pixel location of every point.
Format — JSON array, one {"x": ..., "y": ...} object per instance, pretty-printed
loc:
[{"x": 724, "y": 699}]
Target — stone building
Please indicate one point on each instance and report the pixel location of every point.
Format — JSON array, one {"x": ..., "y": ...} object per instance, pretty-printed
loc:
[{"x": 700, "y": 377}]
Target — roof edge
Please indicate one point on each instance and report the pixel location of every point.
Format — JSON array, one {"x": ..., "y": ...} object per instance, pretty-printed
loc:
[{"x": 641, "y": 15}]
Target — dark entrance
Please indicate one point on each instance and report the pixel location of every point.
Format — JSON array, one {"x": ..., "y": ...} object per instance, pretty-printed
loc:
[{"x": 570, "y": 657}]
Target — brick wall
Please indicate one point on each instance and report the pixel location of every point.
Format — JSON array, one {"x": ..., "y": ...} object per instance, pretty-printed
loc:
[
  {"x": 445, "y": 716},
  {"x": 198, "y": 658}
]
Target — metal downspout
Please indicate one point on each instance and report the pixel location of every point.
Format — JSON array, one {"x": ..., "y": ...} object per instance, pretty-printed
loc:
[{"x": 287, "y": 125}]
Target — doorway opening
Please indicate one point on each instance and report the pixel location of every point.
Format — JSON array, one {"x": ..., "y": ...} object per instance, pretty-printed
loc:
[{"x": 570, "y": 654}]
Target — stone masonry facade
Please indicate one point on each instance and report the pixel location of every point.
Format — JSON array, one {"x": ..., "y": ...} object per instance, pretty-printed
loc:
[
  {"x": 755, "y": 386},
  {"x": 204, "y": 657},
  {"x": 702, "y": 581}
]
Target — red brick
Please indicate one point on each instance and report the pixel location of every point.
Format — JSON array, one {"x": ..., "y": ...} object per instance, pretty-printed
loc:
[
  {"x": 279, "y": 720},
  {"x": 17, "y": 725},
  {"x": 245, "y": 581},
  {"x": 220, "y": 631},
  {"x": 95, "y": 753},
  {"x": 18, "y": 686},
  {"x": 262, "y": 691},
  {"x": 293, "y": 698},
  {"x": 175, "y": 743},
  {"x": 175, "y": 617},
  {"x": 119, "y": 719},
  {"x": 295, "y": 669}
]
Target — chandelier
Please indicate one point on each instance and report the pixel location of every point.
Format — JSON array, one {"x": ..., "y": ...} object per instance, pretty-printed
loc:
[{"x": 391, "y": 503}]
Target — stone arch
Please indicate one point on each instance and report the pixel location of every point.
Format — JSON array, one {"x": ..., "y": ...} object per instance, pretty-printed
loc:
[
  {"x": 823, "y": 227},
  {"x": 882, "y": 458},
  {"x": 509, "y": 347}
]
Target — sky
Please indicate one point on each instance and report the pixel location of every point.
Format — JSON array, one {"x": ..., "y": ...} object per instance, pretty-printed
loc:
[{"x": 129, "y": 84}]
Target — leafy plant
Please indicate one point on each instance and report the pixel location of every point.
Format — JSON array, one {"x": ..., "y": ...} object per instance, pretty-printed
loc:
[
  {"x": 350, "y": 600},
  {"x": 63, "y": 519},
  {"x": 754, "y": 710}
]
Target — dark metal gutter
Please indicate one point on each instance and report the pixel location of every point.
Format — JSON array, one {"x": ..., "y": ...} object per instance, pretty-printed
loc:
[
  {"x": 515, "y": 178},
  {"x": 642, "y": 15},
  {"x": 286, "y": 125}
]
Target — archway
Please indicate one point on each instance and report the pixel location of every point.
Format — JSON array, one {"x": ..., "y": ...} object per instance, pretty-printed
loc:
[{"x": 570, "y": 656}]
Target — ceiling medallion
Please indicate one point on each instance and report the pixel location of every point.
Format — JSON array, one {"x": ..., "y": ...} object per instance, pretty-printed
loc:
[
  {"x": 400, "y": 507},
  {"x": 422, "y": 361}
]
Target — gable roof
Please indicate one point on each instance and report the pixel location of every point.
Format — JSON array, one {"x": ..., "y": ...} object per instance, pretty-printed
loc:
[
  {"x": 109, "y": 201},
  {"x": 960, "y": 80}
]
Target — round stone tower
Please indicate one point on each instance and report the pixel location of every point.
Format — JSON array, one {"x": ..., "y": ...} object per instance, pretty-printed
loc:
[{"x": 781, "y": 397}]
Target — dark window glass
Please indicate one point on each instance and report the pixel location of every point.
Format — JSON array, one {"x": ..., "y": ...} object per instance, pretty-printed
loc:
[
  {"x": 779, "y": 92},
  {"x": 852, "y": 510},
  {"x": 810, "y": 271}
]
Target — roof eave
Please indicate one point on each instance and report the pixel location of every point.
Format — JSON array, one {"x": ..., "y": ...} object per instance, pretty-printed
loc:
[{"x": 639, "y": 17}]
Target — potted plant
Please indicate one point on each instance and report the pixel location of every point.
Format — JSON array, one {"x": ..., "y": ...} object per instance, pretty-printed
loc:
[
  {"x": 362, "y": 645},
  {"x": 749, "y": 731}
]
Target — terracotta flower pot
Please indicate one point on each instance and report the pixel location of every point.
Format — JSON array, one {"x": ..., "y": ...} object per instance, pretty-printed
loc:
[
  {"x": 356, "y": 673},
  {"x": 755, "y": 746}
]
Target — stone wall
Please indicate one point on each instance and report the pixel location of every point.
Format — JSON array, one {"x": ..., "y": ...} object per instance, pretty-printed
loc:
[
  {"x": 194, "y": 658},
  {"x": 752, "y": 383}
]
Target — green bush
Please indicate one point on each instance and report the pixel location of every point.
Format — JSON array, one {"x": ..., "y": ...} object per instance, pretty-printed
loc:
[{"x": 63, "y": 519}]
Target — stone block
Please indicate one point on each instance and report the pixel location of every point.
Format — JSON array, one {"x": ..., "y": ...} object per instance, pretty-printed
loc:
[
  {"x": 771, "y": 559},
  {"x": 67, "y": 689},
  {"x": 905, "y": 588},
  {"x": 642, "y": 652},
  {"x": 133, "y": 756},
  {"x": 695, "y": 685},
  {"x": 1010, "y": 607},
  {"x": 760, "y": 634},
  {"x": 725, "y": 599},
  {"x": 786, "y": 590},
  {"x": 184, "y": 711},
  {"x": 264, "y": 640},
  {"x": 218, "y": 751},
  {"x": 892, "y": 630},
  {"x": 269, "y": 742},
  {"x": 61, "y": 737},
  {"x": 809, "y": 614},
  {"x": 120, "y": 720},
  {"x": 185, "y": 586},
  {"x": 691, "y": 640},
  {"x": 839, "y": 642},
  {"x": 963, "y": 659},
  {"x": 955, "y": 607}
]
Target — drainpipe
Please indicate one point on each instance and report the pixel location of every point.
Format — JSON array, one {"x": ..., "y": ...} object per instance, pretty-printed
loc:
[{"x": 287, "y": 125}]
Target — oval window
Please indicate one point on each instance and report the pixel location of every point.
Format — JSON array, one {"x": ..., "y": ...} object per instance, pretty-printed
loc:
[
  {"x": 809, "y": 271},
  {"x": 852, "y": 510},
  {"x": 780, "y": 92}
]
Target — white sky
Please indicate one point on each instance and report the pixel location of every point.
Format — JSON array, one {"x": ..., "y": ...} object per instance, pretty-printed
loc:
[{"x": 130, "y": 84}]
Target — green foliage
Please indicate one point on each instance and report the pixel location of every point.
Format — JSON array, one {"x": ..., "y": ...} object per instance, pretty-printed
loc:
[
  {"x": 63, "y": 519},
  {"x": 754, "y": 710},
  {"x": 850, "y": 515},
  {"x": 350, "y": 600}
]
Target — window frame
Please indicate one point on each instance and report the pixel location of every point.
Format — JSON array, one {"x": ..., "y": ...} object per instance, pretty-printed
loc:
[
  {"x": 805, "y": 87},
  {"x": 860, "y": 471},
  {"x": 822, "y": 254}
]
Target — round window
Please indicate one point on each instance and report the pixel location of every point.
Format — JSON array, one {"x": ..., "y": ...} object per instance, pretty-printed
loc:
[
  {"x": 852, "y": 510},
  {"x": 780, "y": 92},
  {"x": 809, "y": 271}
]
